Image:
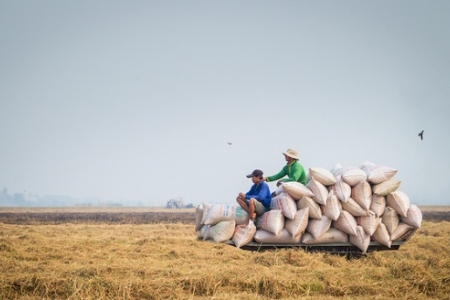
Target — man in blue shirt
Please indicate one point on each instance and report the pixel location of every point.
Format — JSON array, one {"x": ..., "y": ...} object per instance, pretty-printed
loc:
[{"x": 257, "y": 200}]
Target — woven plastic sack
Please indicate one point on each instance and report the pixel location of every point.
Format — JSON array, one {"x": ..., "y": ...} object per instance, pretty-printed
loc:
[
  {"x": 391, "y": 219},
  {"x": 337, "y": 170},
  {"x": 202, "y": 232},
  {"x": 244, "y": 235},
  {"x": 285, "y": 203},
  {"x": 320, "y": 192},
  {"x": 381, "y": 235},
  {"x": 225, "y": 212},
  {"x": 206, "y": 207},
  {"x": 399, "y": 201},
  {"x": 362, "y": 194},
  {"x": 262, "y": 236},
  {"x": 378, "y": 204},
  {"x": 354, "y": 208},
  {"x": 314, "y": 207},
  {"x": 296, "y": 190},
  {"x": 369, "y": 223},
  {"x": 319, "y": 227},
  {"x": 299, "y": 223},
  {"x": 401, "y": 231},
  {"x": 342, "y": 189},
  {"x": 322, "y": 175},
  {"x": 386, "y": 187},
  {"x": 332, "y": 236},
  {"x": 271, "y": 221},
  {"x": 353, "y": 175},
  {"x": 198, "y": 217},
  {"x": 346, "y": 223},
  {"x": 222, "y": 231},
  {"x": 378, "y": 173},
  {"x": 333, "y": 208},
  {"x": 413, "y": 217},
  {"x": 361, "y": 239}
]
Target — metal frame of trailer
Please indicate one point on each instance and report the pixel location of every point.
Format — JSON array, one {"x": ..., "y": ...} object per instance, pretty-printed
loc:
[{"x": 345, "y": 249}]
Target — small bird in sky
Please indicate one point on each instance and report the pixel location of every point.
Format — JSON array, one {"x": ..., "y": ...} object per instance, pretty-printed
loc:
[
  {"x": 421, "y": 135},
  {"x": 230, "y": 143}
]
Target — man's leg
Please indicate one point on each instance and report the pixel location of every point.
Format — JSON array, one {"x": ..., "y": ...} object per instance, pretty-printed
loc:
[
  {"x": 243, "y": 204},
  {"x": 252, "y": 209}
]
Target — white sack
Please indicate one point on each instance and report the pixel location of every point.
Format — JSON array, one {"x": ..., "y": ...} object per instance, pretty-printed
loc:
[
  {"x": 244, "y": 235},
  {"x": 320, "y": 192},
  {"x": 225, "y": 212},
  {"x": 353, "y": 175},
  {"x": 346, "y": 223},
  {"x": 203, "y": 232},
  {"x": 413, "y": 217},
  {"x": 332, "y": 236},
  {"x": 369, "y": 223},
  {"x": 337, "y": 170},
  {"x": 272, "y": 221},
  {"x": 381, "y": 235},
  {"x": 354, "y": 208},
  {"x": 322, "y": 175},
  {"x": 362, "y": 194},
  {"x": 401, "y": 232},
  {"x": 390, "y": 218},
  {"x": 361, "y": 239},
  {"x": 285, "y": 203},
  {"x": 314, "y": 207},
  {"x": 386, "y": 187},
  {"x": 206, "y": 207},
  {"x": 399, "y": 201},
  {"x": 222, "y": 231},
  {"x": 198, "y": 217},
  {"x": 333, "y": 208},
  {"x": 299, "y": 223},
  {"x": 378, "y": 204},
  {"x": 262, "y": 236},
  {"x": 377, "y": 173},
  {"x": 318, "y": 227},
  {"x": 342, "y": 189},
  {"x": 296, "y": 190}
]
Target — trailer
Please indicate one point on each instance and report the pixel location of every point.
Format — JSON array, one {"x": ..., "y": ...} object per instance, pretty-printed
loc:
[{"x": 343, "y": 249}]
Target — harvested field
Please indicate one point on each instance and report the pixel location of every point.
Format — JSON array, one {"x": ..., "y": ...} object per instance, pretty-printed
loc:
[
  {"x": 166, "y": 261},
  {"x": 110, "y": 257},
  {"x": 97, "y": 217}
]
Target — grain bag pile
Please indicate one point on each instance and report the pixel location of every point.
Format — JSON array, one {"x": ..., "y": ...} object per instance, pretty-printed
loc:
[{"x": 342, "y": 205}]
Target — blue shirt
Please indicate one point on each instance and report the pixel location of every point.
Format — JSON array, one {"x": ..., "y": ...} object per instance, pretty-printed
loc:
[{"x": 260, "y": 192}]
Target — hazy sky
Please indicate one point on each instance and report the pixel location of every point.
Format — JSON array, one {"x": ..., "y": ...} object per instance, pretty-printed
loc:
[{"x": 136, "y": 100}]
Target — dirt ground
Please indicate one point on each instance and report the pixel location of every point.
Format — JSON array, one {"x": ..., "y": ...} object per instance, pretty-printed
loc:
[{"x": 131, "y": 217}]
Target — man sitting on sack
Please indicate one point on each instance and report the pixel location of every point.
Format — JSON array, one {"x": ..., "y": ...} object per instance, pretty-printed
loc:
[{"x": 257, "y": 200}]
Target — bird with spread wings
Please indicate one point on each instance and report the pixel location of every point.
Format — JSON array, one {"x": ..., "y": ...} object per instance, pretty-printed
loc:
[{"x": 421, "y": 135}]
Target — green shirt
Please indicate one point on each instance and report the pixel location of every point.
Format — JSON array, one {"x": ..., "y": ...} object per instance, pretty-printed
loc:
[{"x": 293, "y": 171}]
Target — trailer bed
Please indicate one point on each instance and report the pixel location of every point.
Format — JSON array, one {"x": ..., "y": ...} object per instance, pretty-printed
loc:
[{"x": 345, "y": 249}]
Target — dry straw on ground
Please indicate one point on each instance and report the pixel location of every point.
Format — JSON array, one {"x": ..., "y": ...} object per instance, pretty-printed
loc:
[{"x": 166, "y": 261}]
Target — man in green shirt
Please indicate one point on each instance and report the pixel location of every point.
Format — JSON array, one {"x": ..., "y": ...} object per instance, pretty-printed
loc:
[{"x": 293, "y": 170}]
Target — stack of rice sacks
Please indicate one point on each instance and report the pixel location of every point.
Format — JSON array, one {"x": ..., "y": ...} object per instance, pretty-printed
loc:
[{"x": 341, "y": 205}]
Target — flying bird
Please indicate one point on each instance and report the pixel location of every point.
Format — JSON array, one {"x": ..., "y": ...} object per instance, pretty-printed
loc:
[
  {"x": 421, "y": 135},
  {"x": 230, "y": 143}
]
